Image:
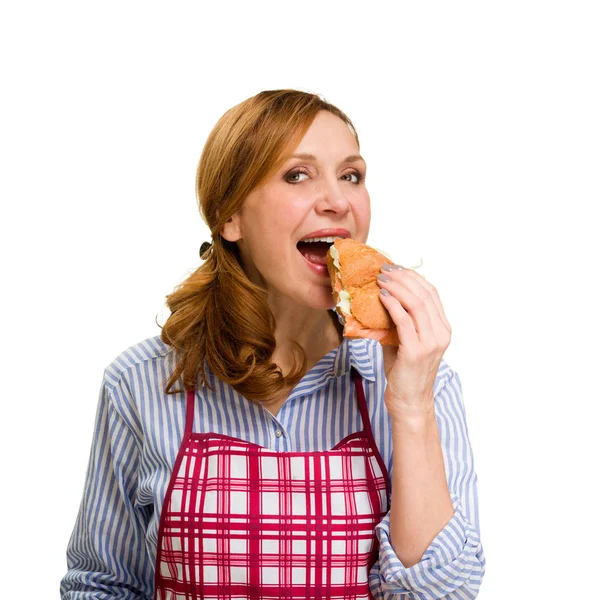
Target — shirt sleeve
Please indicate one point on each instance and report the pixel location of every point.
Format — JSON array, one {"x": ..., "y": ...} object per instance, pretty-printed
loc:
[
  {"x": 453, "y": 565},
  {"x": 106, "y": 555}
]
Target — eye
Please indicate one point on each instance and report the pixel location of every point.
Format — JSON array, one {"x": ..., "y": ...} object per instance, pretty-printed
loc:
[
  {"x": 359, "y": 177},
  {"x": 294, "y": 174}
]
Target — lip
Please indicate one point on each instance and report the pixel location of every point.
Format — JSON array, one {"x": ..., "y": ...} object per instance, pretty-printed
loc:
[
  {"x": 320, "y": 270},
  {"x": 343, "y": 233}
]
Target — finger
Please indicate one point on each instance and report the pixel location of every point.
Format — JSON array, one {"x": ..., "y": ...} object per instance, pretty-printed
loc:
[
  {"x": 418, "y": 308},
  {"x": 434, "y": 294},
  {"x": 419, "y": 287},
  {"x": 405, "y": 327}
]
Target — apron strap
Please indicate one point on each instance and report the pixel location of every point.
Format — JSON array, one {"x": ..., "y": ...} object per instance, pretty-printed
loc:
[
  {"x": 364, "y": 413},
  {"x": 362, "y": 403},
  {"x": 189, "y": 413}
]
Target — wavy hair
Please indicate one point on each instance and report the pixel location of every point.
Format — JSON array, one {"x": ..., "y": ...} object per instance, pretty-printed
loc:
[{"x": 218, "y": 316}]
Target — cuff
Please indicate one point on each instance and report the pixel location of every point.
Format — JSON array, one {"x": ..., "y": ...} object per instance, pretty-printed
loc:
[{"x": 447, "y": 565}]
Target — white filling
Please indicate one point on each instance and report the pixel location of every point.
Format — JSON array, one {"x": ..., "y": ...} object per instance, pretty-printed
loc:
[
  {"x": 344, "y": 303},
  {"x": 335, "y": 255}
]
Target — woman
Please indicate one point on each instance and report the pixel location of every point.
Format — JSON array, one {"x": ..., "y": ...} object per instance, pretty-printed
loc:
[{"x": 268, "y": 473}]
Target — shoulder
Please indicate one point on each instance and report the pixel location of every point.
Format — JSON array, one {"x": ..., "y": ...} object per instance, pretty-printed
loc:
[{"x": 149, "y": 354}]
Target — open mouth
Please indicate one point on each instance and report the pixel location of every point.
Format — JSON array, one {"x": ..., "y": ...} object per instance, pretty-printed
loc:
[{"x": 315, "y": 252}]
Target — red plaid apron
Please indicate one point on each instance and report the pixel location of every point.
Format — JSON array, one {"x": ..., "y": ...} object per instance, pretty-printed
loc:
[{"x": 243, "y": 521}]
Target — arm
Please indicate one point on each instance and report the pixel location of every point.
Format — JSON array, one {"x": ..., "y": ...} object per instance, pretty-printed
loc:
[
  {"x": 421, "y": 506},
  {"x": 106, "y": 555},
  {"x": 444, "y": 558}
]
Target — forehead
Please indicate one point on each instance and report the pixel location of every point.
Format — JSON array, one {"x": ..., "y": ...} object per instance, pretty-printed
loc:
[
  {"x": 313, "y": 158},
  {"x": 327, "y": 139},
  {"x": 329, "y": 132}
]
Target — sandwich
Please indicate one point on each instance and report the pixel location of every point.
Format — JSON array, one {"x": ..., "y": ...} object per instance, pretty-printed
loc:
[{"x": 353, "y": 268}]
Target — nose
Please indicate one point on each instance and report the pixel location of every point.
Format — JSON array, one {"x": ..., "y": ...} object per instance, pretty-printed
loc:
[{"x": 333, "y": 198}]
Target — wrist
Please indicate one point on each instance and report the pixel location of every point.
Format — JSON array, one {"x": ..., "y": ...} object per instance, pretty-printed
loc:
[{"x": 415, "y": 416}]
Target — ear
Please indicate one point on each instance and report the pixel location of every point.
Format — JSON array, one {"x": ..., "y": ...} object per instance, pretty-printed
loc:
[{"x": 231, "y": 231}]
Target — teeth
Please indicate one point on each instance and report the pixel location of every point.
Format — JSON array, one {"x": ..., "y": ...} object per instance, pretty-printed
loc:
[{"x": 322, "y": 239}]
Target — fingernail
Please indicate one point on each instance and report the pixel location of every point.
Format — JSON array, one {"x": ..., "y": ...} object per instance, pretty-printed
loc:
[
  {"x": 384, "y": 292},
  {"x": 383, "y": 278},
  {"x": 387, "y": 267}
]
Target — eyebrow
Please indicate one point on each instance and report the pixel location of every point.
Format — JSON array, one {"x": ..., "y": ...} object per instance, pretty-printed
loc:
[{"x": 352, "y": 158}]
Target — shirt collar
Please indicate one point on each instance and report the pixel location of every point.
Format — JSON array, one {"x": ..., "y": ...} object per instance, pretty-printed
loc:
[
  {"x": 357, "y": 354},
  {"x": 354, "y": 353}
]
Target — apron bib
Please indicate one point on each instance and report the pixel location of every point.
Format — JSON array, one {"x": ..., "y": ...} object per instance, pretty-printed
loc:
[{"x": 243, "y": 521}]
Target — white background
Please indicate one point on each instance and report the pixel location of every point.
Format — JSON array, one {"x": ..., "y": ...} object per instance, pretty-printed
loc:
[{"x": 480, "y": 125}]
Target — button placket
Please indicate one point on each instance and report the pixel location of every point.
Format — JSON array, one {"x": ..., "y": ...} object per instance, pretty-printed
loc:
[
  {"x": 279, "y": 431},
  {"x": 280, "y": 442}
]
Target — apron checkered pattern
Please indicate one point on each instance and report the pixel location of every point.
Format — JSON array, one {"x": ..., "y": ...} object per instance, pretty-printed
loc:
[{"x": 243, "y": 521}]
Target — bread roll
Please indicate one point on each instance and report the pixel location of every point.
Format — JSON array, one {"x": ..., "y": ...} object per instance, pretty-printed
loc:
[{"x": 353, "y": 268}]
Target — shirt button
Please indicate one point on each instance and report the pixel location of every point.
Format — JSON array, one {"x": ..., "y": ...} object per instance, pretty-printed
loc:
[{"x": 278, "y": 432}]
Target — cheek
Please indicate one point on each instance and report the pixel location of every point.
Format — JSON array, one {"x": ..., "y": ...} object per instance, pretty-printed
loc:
[
  {"x": 362, "y": 208},
  {"x": 272, "y": 249}
]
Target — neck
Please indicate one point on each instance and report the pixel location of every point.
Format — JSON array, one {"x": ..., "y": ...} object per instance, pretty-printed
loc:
[{"x": 317, "y": 336}]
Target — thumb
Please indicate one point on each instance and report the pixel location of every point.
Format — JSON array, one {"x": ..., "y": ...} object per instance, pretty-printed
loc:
[{"x": 389, "y": 357}]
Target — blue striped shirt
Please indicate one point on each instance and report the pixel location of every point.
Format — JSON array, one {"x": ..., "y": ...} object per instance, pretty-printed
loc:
[{"x": 138, "y": 430}]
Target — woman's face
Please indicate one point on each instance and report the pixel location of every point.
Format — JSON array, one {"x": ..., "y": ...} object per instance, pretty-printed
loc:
[{"x": 308, "y": 194}]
